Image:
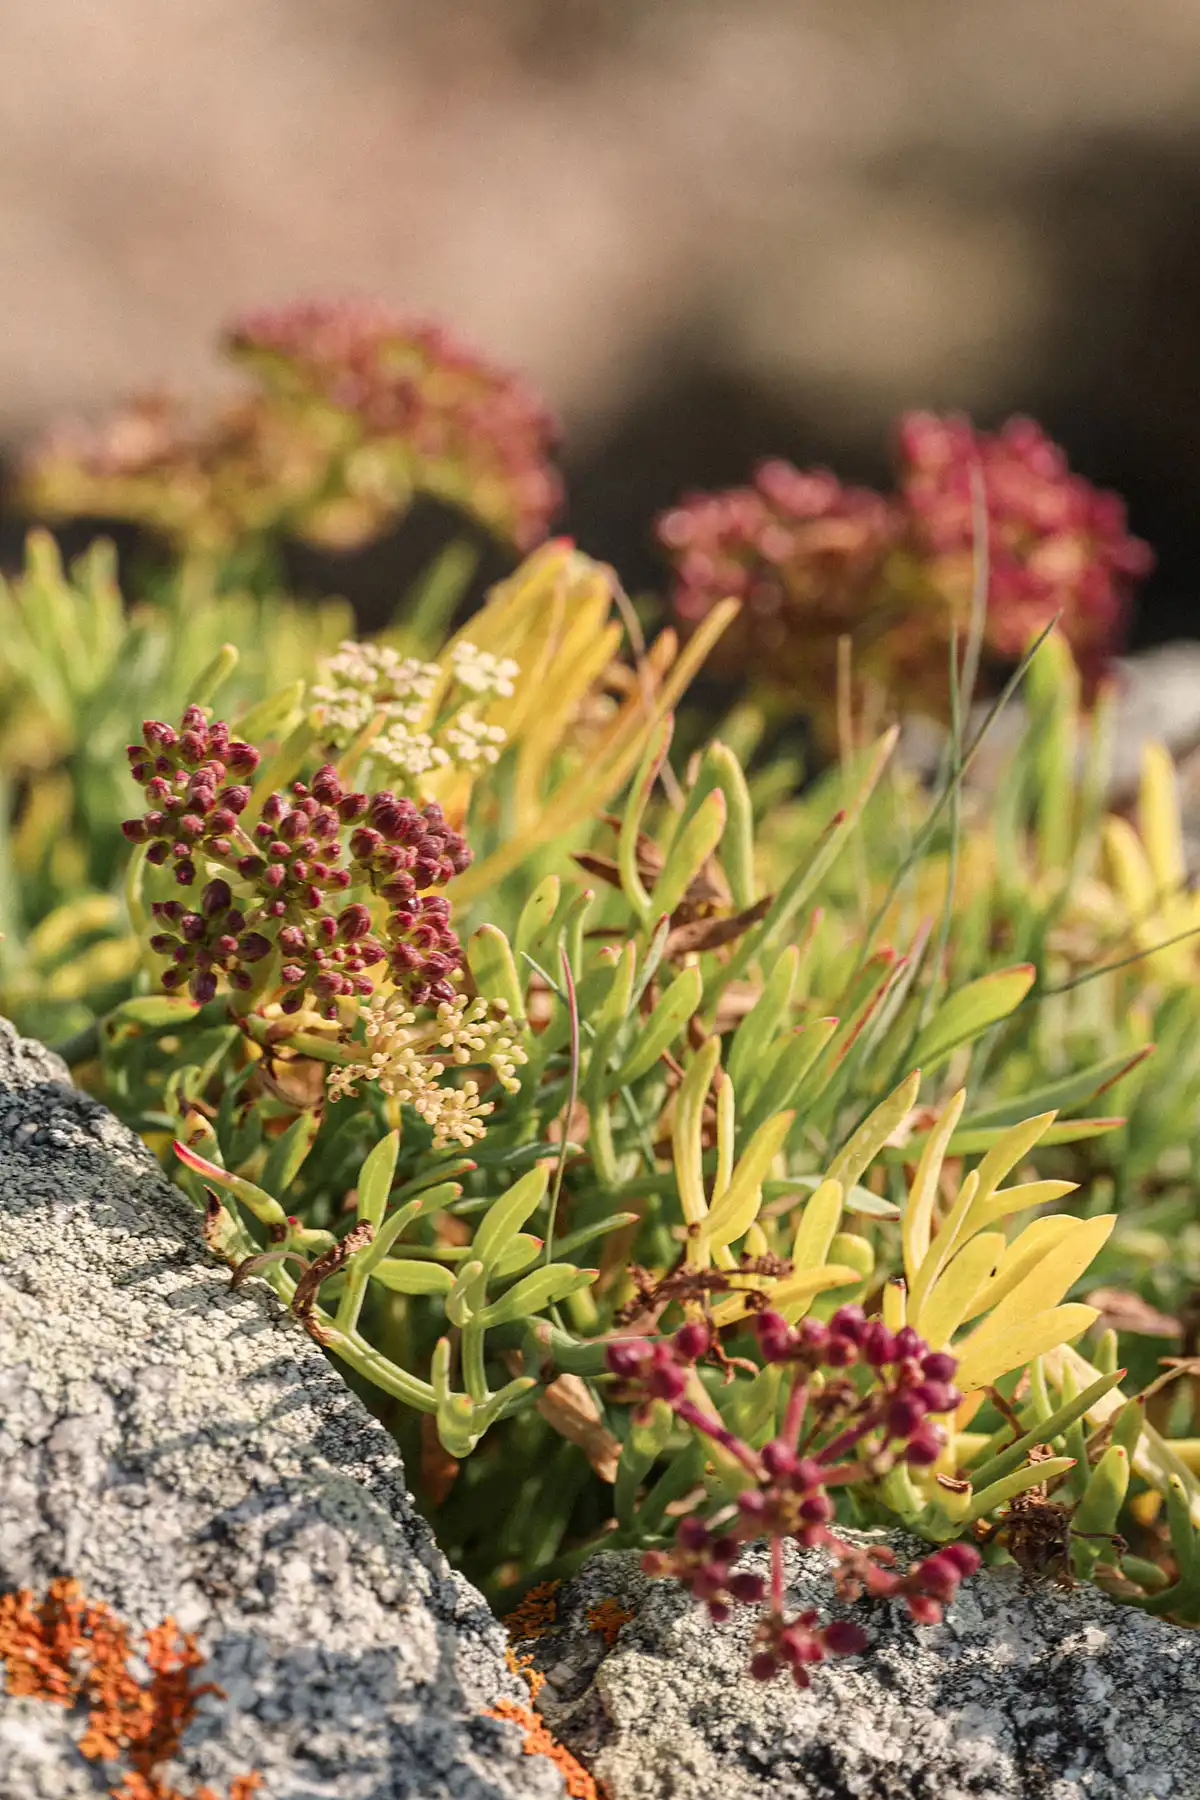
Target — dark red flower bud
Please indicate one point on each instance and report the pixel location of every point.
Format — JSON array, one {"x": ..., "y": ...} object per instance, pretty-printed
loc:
[
  {"x": 327, "y": 785},
  {"x": 626, "y": 1357},
  {"x": 814, "y": 1336},
  {"x": 253, "y": 947},
  {"x": 910, "y": 1343},
  {"x": 746, "y": 1587},
  {"x": 134, "y": 830},
  {"x": 692, "y": 1341},
  {"x": 667, "y": 1383},
  {"x": 216, "y": 897},
  {"x": 878, "y": 1344},
  {"x": 923, "y": 1610},
  {"x": 939, "y": 1365},
  {"x": 924, "y": 1447},
  {"x": 202, "y": 987},
  {"x": 162, "y": 943},
  {"x": 692, "y": 1533},
  {"x": 851, "y": 1322},
  {"x": 236, "y": 798},
  {"x": 938, "y": 1396},
  {"x": 354, "y": 923},
  {"x": 185, "y": 871},
  {"x": 351, "y": 807},
  {"x": 904, "y": 1414},
  {"x": 965, "y": 1557},
  {"x": 157, "y": 736},
  {"x": 291, "y": 974},
  {"x": 844, "y": 1638},
  {"x": 777, "y": 1458},
  {"x": 244, "y": 758}
]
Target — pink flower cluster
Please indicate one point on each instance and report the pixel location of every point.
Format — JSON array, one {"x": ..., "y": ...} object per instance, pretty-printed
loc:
[
  {"x": 812, "y": 560},
  {"x": 289, "y": 871},
  {"x": 355, "y": 410},
  {"x": 413, "y": 383},
  {"x": 1055, "y": 543},
  {"x": 835, "y": 1432}
]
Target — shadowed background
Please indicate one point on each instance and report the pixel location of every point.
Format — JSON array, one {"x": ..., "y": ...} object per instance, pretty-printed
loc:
[{"x": 706, "y": 232}]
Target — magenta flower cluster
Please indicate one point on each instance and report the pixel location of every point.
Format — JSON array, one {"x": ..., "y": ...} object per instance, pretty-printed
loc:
[
  {"x": 836, "y": 1431},
  {"x": 283, "y": 877},
  {"x": 813, "y": 559}
]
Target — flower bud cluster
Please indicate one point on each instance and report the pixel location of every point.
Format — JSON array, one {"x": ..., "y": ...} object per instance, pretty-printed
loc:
[
  {"x": 291, "y": 870},
  {"x": 1055, "y": 543},
  {"x": 194, "y": 807},
  {"x": 355, "y": 410},
  {"x": 425, "y": 407},
  {"x": 812, "y": 559},
  {"x": 837, "y": 1432}
]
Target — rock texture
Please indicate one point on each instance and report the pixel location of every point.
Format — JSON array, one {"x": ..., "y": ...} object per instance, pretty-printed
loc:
[
  {"x": 184, "y": 1449},
  {"x": 1021, "y": 1694}
]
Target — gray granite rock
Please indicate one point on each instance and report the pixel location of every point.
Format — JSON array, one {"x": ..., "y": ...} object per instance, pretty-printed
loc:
[
  {"x": 1021, "y": 1694},
  {"x": 185, "y": 1449}
]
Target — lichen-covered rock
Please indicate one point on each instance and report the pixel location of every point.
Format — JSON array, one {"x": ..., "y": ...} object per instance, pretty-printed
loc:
[
  {"x": 181, "y": 1448},
  {"x": 1021, "y": 1694}
]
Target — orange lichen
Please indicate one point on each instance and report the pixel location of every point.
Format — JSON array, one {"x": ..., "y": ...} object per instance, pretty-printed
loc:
[
  {"x": 533, "y": 1678},
  {"x": 539, "y": 1742},
  {"x": 607, "y": 1617},
  {"x": 74, "y": 1651},
  {"x": 533, "y": 1616}
]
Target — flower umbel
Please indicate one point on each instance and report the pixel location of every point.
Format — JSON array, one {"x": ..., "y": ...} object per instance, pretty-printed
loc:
[
  {"x": 836, "y": 1431},
  {"x": 277, "y": 888},
  {"x": 407, "y": 1055},
  {"x": 813, "y": 559}
]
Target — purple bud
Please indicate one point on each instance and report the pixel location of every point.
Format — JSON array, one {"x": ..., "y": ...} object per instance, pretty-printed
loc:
[
  {"x": 217, "y": 897},
  {"x": 844, "y": 1638},
  {"x": 157, "y": 736},
  {"x": 904, "y": 1414},
  {"x": 291, "y": 974},
  {"x": 965, "y": 1557},
  {"x": 924, "y": 1447},
  {"x": 185, "y": 871},
  {"x": 691, "y": 1533},
  {"x": 692, "y": 1340},
  {"x": 243, "y": 757},
  {"x": 353, "y": 923},
  {"x": 747, "y": 1588},
  {"x": 909, "y": 1343},
  {"x": 938, "y": 1396},
  {"x": 134, "y": 830},
  {"x": 253, "y": 947},
  {"x": 202, "y": 987},
  {"x": 939, "y": 1365},
  {"x": 777, "y": 1459},
  {"x": 878, "y": 1344},
  {"x": 326, "y": 785}
]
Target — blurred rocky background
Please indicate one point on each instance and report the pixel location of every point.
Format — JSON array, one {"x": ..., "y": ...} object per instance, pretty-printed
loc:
[{"x": 708, "y": 232}]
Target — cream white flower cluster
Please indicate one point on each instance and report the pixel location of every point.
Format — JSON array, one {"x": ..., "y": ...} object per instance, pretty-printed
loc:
[
  {"x": 362, "y": 680},
  {"x": 482, "y": 672},
  {"x": 408, "y": 1056}
]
